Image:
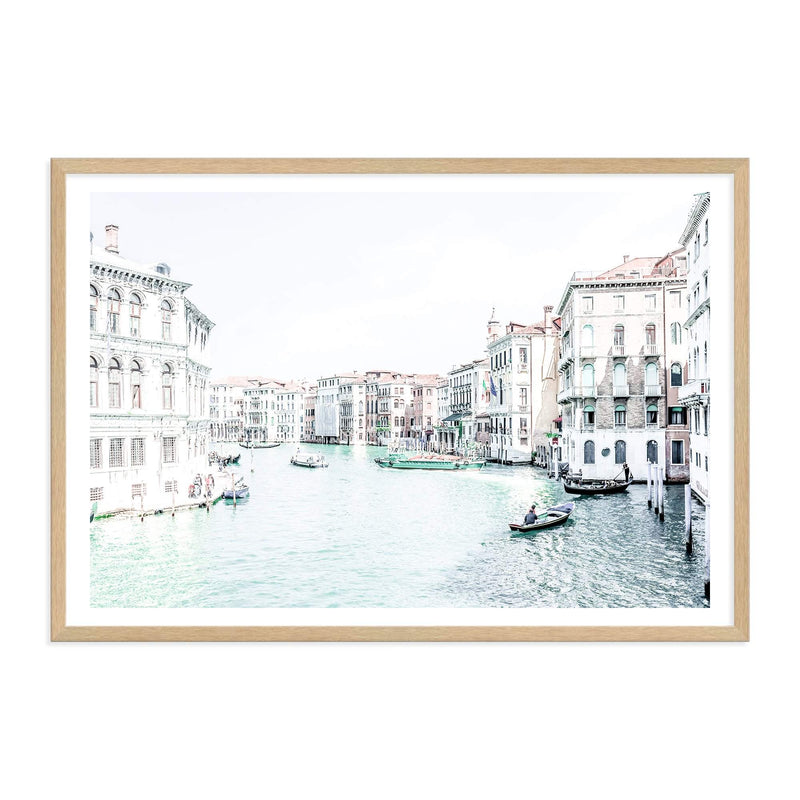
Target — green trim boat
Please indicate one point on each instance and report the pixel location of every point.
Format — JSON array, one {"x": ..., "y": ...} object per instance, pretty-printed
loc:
[{"x": 428, "y": 461}]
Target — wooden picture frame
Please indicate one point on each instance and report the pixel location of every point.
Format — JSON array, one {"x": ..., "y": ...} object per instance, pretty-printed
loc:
[{"x": 62, "y": 168}]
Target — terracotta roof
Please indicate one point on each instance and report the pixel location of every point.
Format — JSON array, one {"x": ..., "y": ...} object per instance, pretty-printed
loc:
[
  {"x": 641, "y": 264},
  {"x": 239, "y": 380}
]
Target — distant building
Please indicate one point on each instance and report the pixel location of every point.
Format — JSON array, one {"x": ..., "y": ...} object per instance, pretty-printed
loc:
[
  {"x": 309, "y": 413},
  {"x": 522, "y": 386},
  {"x": 352, "y": 410},
  {"x": 290, "y": 411},
  {"x": 260, "y": 401},
  {"x": 424, "y": 407},
  {"x": 469, "y": 393},
  {"x": 617, "y": 365},
  {"x": 695, "y": 396},
  {"x": 149, "y": 426},
  {"x": 328, "y": 410},
  {"x": 227, "y": 407}
]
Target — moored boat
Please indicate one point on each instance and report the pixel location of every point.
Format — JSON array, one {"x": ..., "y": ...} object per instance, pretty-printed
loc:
[
  {"x": 427, "y": 461},
  {"x": 258, "y": 445},
  {"x": 576, "y": 485},
  {"x": 553, "y": 516},
  {"x": 242, "y": 492},
  {"x": 312, "y": 460}
]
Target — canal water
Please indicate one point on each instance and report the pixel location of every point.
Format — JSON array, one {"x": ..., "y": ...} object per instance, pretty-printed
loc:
[{"x": 356, "y": 535}]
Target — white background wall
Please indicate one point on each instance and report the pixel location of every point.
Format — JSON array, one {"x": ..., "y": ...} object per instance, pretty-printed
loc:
[{"x": 420, "y": 79}]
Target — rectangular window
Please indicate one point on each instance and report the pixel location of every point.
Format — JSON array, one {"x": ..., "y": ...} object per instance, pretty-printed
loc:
[
  {"x": 138, "y": 489},
  {"x": 649, "y": 302},
  {"x": 169, "y": 449},
  {"x": 705, "y": 240},
  {"x": 619, "y": 302},
  {"x": 113, "y": 395},
  {"x": 95, "y": 453},
  {"x": 137, "y": 452},
  {"x": 677, "y": 451},
  {"x": 588, "y": 304},
  {"x": 677, "y": 416},
  {"x": 116, "y": 453},
  {"x": 675, "y": 299},
  {"x": 170, "y": 486},
  {"x": 96, "y": 493}
]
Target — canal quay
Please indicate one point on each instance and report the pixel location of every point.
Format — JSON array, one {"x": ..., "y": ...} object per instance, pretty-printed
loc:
[{"x": 356, "y": 535}]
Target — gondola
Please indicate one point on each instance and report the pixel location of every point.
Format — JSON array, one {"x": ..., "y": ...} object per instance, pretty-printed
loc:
[
  {"x": 553, "y": 516},
  {"x": 242, "y": 492},
  {"x": 258, "y": 445},
  {"x": 573, "y": 485}
]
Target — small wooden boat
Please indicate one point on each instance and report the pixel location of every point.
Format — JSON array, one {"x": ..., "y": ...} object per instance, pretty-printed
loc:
[
  {"x": 575, "y": 485},
  {"x": 92, "y": 511},
  {"x": 258, "y": 445},
  {"x": 553, "y": 516},
  {"x": 242, "y": 492},
  {"x": 312, "y": 460}
]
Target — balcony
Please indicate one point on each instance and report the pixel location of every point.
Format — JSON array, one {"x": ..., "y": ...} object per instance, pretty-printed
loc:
[
  {"x": 588, "y": 427},
  {"x": 617, "y": 350},
  {"x": 653, "y": 390},
  {"x": 522, "y": 409},
  {"x": 587, "y": 391},
  {"x": 651, "y": 426},
  {"x": 522, "y": 368},
  {"x": 621, "y": 390},
  {"x": 565, "y": 395},
  {"x": 651, "y": 350},
  {"x": 588, "y": 352},
  {"x": 567, "y": 355},
  {"x": 695, "y": 392}
]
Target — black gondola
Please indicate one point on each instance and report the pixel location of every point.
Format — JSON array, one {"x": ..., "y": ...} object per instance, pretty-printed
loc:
[
  {"x": 575, "y": 485},
  {"x": 553, "y": 516}
]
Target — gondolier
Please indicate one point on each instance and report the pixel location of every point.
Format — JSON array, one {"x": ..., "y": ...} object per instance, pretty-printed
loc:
[{"x": 531, "y": 517}]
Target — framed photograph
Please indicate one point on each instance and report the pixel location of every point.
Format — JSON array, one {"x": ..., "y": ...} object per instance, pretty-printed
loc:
[{"x": 400, "y": 400}]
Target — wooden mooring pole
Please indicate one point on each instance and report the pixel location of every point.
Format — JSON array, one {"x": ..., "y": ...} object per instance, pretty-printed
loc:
[
  {"x": 233, "y": 486},
  {"x": 656, "y": 474},
  {"x": 687, "y": 517},
  {"x": 649, "y": 484},
  {"x": 661, "y": 511}
]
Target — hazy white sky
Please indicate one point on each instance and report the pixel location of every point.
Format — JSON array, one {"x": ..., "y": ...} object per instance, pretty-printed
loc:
[{"x": 302, "y": 285}]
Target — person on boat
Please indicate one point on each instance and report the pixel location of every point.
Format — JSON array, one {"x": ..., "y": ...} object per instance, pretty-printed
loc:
[
  {"x": 627, "y": 472},
  {"x": 531, "y": 517}
]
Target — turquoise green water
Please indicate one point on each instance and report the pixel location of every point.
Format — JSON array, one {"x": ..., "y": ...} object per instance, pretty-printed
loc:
[{"x": 361, "y": 536}]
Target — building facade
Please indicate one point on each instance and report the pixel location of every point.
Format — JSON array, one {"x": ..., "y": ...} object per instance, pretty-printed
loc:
[
  {"x": 616, "y": 369},
  {"x": 290, "y": 412},
  {"x": 260, "y": 403},
  {"x": 523, "y": 387},
  {"x": 695, "y": 396},
  {"x": 227, "y": 408},
  {"x": 149, "y": 426}
]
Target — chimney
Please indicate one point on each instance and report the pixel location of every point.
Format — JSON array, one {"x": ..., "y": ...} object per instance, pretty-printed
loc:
[
  {"x": 548, "y": 317},
  {"x": 625, "y": 258},
  {"x": 112, "y": 238}
]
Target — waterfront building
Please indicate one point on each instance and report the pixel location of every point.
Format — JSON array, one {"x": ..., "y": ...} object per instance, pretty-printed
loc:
[
  {"x": 290, "y": 411},
  {"x": 469, "y": 394},
  {"x": 352, "y": 409},
  {"x": 522, "y": 386},
  {"x": 149, "y": 426},
  {"x": 617, "y": 371},
  {"x": 260, "y": 402},
  {"x": 395, "y": 407},
  {"x": 227, "y": 407},
  {"x": 695, "y": 396},
  {"x": 443, "y": 405},
  {"x": 328, "y": 419},
  {"x": 309, "y": 413},
  {"x": 424, "y": 407},
  {"x": 374, "y": 380}
]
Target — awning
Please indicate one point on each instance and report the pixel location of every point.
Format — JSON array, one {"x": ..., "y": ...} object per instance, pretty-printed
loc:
[{"x": 454, "y": 417}]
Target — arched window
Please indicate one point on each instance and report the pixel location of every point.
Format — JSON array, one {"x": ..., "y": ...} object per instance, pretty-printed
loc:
[
  {"x": 620, "y": 416},
  {"x": 588, "y": 376},
  {"x": 619, "y": 375},
  {"x": 166, "y": 386},
  {"x": 652, "y": 414},
  {"x": 651, "y": 374},
  {"x": 360, "y": 406},
  {"x": 588, "y": 415},
  {"x": 676, "y": 375},
  {"x": 114, "y": 300},
  {"x": 588, "y": 452},
  {"x": 93, "y": 296},
  {"x": 652, "y": 451},
  {"x": 587, "y": 337},
  {"x": 650, "y": 333},
  {"x": 136, "y": 384},
  {"x": 620, "y": 452},
  {"x": 114, "y": 388},
  {"x": 619, "y": 336},
  {"x": 705, "y": 358},
  {"x": 136, "y": 315},
  {"x": 166, "y": 320},
  {"x": 92, "y": 382}
]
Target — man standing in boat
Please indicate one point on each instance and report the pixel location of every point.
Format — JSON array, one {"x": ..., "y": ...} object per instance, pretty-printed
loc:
[
  {"x": 627, "y": 472},
  {"x": 531, "y": 517}
]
